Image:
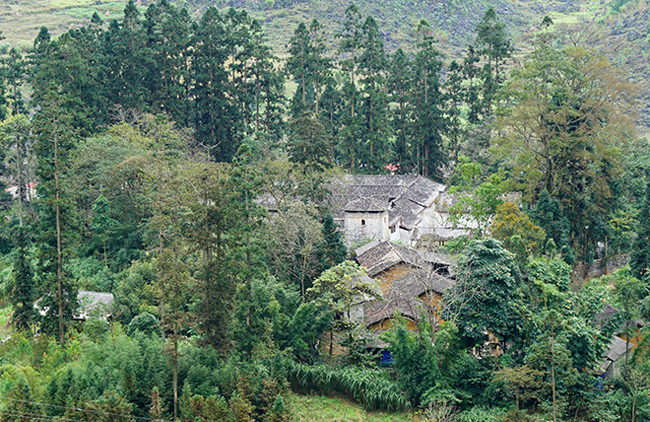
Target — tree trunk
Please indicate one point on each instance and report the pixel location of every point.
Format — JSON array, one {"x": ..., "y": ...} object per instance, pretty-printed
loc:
[
  {"x": 59, "y": 254},
  {"x": 553, "y": 385},
  {"x": 175, "y": 365}
]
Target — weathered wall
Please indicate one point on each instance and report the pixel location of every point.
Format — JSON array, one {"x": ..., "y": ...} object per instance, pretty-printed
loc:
[
  {"x": 361, "y": 227},
  {"x": 599, "y": 267},
  {"x": 387, "y": 277}
]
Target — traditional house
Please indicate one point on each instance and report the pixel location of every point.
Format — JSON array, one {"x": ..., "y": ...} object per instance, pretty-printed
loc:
[
  {"x": 408, "y": 209},
  {"x": 411, "y": 284},
  {"x": 399, "y": 208},
  {"x": 93, "y": 304},
  {"x": 621, "y": 345},
  {"x": 618, "y": 349}
]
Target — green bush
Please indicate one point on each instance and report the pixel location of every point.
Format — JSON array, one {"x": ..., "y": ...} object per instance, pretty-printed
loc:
[
  {"x": 371, "y": 388},
  {"x": 479, "y": 414}
]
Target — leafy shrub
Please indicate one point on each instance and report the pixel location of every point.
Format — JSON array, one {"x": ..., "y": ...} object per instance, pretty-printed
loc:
[
  {"x": 371, "y": 388},
  {"x": 144, "y": 323},
  {"x": 479, "y": 414}
]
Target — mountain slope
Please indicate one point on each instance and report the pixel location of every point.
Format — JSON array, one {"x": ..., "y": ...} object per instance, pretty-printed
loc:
[{"x": 618, "y": 28}]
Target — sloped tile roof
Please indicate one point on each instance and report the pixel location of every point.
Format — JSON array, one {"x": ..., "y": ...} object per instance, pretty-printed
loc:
[
  {"x": 419, "y": 282},
  {"x": 377, "y": 311},
  {"x": 406, "y": 196},
  {"x": 371, "y": 204},
  {"x": 382, "y": 255}
]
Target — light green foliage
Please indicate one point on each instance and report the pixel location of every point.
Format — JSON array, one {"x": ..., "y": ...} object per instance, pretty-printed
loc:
[
  {"x": 477, "y": 197},
  {"x": 514, "y": 228},
  {"x": 135, "y": 291},
  {"x": 340, "y": 285},
  {"x": 426, "y": 362},
  {"x": 144, "y": 323},
  {"x": 371, "y": 388},
  {"x": 479, "y": 414}
]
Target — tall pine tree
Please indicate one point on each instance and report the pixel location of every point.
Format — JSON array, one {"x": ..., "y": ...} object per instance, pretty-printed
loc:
[
  {"x": 55, "y": 143},
  {"x": 429, "y": 122}
]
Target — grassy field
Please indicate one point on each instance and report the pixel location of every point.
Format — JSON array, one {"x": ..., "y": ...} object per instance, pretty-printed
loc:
[
  {"x": 20, "y": 20},
  {"x": 336, "y": 409}
]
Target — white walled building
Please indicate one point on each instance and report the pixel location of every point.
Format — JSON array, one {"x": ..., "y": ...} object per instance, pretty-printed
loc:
[{"x": 398, "y": 208}]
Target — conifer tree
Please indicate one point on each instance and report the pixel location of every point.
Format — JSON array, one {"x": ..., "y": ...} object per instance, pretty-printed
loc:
[
  {"x": 308, "y": 66},
  {"x": 491, "y": 43},
  {"x": 454, "y": 97},
  {"x": 216, "y": 117},
  {"x": 640, "y": 257},
  {"x": 332, "y": 250},
  {"x": 373, "y": 127},
  {"x": 427, "y": 99},
  {"x": 16, "y": 75},
  {"x": 309, "y": 143},
  {"x": 128, "y": 57},
  {"x": 15, "y": 139},
  {"x": 350, "y": 44},
  {"x": 54, "y": 145},
  {"x": 22, "y": 292},
  {"x": 167, "y": 79},
  {"x": 398, "y": 85}
]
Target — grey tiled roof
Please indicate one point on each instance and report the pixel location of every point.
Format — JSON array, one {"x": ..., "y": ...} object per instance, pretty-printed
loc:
[
  {"x": 419, "y": 282},
  {"x": 367, "y": 205},
  {"x": 377, "y": 311},
  {"x": 381, "y": 255},
  {"x": 403, "y": 292},
  {"x": 617, "y": 349},
  {"x": 405, "y": 196}
]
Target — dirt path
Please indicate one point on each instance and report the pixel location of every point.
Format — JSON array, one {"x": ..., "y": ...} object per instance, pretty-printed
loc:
[{"x": 352, "y": 405}]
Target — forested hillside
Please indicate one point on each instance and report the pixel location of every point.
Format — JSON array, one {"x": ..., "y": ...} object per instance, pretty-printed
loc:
[{"x": 178, "y": 160}]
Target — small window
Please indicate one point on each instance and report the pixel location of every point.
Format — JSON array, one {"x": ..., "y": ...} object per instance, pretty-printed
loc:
[
  {"x": 363, "y": 222},
  {"x": 392, "y": 228}
]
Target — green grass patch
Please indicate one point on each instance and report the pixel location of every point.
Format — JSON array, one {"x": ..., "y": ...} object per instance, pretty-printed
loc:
[
  {"x": 107, "y": 12},
  {"x": 308, "y": 408},
  {"x": 61, "y": 4}
]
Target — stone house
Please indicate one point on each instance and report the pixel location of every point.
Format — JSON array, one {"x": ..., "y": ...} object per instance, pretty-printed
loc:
[{"x": 399, "y": 208}]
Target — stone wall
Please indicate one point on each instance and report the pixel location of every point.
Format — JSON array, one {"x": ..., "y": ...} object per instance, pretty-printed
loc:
[{"x": 599, "y": 267}]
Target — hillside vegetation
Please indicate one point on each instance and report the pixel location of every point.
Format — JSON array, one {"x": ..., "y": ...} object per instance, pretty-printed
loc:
[
  {"x": 619, "y": 28},
  {"x": 171, "y": 160}
]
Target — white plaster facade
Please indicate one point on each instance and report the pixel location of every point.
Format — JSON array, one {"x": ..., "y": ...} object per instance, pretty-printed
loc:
[{"x": 361, "y": 227}]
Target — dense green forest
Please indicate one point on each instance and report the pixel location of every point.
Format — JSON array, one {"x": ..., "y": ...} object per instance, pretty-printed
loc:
[{"x": 134, "y": 156}]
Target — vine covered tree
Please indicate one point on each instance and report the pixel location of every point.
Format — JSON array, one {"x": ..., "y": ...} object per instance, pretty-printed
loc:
[{"x": 563, "y": 129}]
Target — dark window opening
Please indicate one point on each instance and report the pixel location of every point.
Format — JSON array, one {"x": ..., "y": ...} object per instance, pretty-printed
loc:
[{"x": 363, "y": 222}]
